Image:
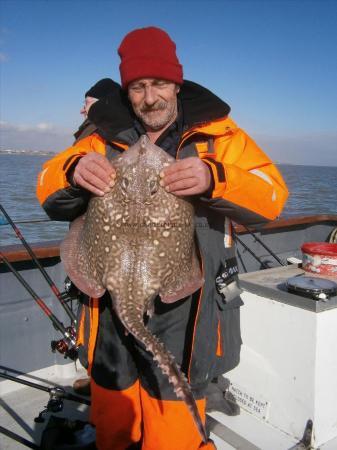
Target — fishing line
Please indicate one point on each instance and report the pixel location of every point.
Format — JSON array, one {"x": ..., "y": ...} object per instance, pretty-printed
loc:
[
  {"x": 263, "y": 264},
  {"x": 264, "y": 246},
  {"x": 4, "y": 222}
]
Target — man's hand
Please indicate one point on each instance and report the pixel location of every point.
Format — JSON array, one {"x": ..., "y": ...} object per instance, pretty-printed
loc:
[
  {"x": 189, "y": 176},
  {"x": 94, "y": 173}
]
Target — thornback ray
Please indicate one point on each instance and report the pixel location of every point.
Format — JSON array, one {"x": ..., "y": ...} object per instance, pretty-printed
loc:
[{"x": 137, "y": 242}]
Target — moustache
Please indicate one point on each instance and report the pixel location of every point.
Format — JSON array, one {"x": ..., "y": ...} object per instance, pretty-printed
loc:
[{"x": 159, "y": 107}]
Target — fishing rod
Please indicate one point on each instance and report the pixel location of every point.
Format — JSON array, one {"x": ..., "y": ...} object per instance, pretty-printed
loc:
[
  {"x": 69, "y": 334},
  {"x": 60, "y": 297},
  {"x": 57, "y": 395},
  {"x": 264, "y": 246},
  {"x": 18, "y": 438},
  {"x": 55, "y": 391}
]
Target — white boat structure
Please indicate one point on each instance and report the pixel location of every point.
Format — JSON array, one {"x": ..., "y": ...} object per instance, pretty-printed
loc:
[{"x": 285, "y": 384}]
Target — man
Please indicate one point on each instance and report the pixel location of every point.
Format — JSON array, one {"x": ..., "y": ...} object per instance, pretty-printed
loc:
[{"x": 229, "y": 178}]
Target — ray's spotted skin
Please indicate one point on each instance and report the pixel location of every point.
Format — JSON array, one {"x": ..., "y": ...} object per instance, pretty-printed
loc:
[{"x": 137, "y": 242}]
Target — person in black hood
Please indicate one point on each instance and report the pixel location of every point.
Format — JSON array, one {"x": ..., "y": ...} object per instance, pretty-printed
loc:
[
  {"x": 106, "y": 91},
  {"x": 101, "y": 90}
]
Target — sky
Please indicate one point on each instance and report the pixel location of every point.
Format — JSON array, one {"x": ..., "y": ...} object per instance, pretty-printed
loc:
[{"x": 274, "y": 62}]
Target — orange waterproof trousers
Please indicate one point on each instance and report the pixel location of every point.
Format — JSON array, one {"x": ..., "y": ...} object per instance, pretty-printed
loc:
[
  {"x": 133, "y": 405},
  {"x": 123, "y": 418}
]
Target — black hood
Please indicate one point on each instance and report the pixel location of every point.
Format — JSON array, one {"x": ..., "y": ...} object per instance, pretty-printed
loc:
[
  {"x": 200, "y": 105},
  {"x": 114, "y": 115}
]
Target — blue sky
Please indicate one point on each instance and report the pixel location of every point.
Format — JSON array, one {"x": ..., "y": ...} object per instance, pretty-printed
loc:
[{"x": 274, "y": 62}]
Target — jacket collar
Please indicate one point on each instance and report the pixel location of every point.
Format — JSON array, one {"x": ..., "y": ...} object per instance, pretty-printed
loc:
[{"x": 114, "y": 117}]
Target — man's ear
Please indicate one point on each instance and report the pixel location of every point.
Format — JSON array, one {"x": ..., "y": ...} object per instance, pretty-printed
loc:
[{"x": 177, "y": 88}]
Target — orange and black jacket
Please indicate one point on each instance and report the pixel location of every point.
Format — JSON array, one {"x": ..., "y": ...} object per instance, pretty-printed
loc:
[{"x": 247, "y": 189}]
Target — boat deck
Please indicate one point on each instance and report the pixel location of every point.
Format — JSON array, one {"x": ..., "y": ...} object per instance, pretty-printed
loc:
[{"x": 21, "y": 404}]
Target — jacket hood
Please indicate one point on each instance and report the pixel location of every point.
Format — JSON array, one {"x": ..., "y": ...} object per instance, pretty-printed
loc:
[
  {"x": 200, "y": 106},
  {"x": 114, "y": 116}
]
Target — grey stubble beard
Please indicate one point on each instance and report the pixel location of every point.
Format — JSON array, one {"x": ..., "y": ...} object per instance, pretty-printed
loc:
[{"x": 157, "y": 123}]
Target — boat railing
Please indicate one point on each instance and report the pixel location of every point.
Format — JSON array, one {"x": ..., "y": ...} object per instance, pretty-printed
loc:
[{"x": 50, "y": 249}]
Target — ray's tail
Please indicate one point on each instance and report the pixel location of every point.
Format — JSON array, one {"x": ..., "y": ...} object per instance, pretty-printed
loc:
[{"x": 133, "y": 322}]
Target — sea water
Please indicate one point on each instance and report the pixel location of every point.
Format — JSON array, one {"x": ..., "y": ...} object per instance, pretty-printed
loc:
[{"x": 313, "y": 190}]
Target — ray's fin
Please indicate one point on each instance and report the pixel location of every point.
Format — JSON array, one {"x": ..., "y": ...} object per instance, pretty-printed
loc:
[{"x": 75, "y": 261}]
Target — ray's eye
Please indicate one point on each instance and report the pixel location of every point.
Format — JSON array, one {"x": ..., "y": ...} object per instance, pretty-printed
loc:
[
  {"x": 124, "y": 183},
  {"x": 153, "y": 185}
]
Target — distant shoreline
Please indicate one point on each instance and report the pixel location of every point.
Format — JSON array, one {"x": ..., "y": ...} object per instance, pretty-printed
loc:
[
  {"x": 50, "y": 153},
  {"x": 26, "y": 152}
]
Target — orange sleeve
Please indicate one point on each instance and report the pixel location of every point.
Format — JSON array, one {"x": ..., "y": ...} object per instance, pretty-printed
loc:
[
  {"x": 244, "y": 176},
  {"x": 53, "y": 176}
]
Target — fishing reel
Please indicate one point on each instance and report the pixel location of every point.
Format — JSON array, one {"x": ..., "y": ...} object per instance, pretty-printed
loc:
[
  {"x": 66, "y": 345},
  {"x": 54, "y": 405}
]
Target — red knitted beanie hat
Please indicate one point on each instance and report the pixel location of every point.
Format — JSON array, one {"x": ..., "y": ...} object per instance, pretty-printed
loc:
[{"x": 149, "y": 53}]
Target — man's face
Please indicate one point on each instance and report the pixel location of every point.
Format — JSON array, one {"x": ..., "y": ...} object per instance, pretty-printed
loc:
[
  {"x": 86, "y": 106},
  {"x": 154, "y": 102}
]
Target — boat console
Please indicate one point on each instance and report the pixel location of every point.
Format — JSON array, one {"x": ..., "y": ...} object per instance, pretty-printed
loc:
[{"x": 286, "y": 378}]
